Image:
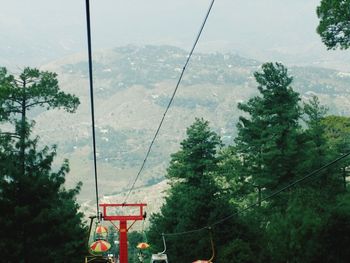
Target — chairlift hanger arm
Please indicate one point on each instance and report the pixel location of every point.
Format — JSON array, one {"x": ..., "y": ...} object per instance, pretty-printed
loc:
[
  {"x": 90, "y": 227},
  {"x": 164, "y": 244},
  {"x": 212, "y": 245}
]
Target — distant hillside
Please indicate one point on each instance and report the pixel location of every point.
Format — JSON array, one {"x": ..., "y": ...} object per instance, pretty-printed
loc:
[{"x": 132, "y": 88}]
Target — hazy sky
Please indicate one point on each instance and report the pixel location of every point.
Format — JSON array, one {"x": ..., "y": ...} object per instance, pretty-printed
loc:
[{"x": 37, "y": 31}]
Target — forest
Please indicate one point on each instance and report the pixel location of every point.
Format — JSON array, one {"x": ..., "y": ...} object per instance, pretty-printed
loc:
[{"x": 265, "y": 199}]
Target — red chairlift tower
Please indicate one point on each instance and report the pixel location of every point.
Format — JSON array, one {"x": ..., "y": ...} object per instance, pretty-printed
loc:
[{"x": 123, "y": 226}]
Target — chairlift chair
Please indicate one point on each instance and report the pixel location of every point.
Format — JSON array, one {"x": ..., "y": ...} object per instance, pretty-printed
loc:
[
  {"x": 160, "y": 257},
  {"x": 99, "y": 246},
  {"x": 99, "y": 259}
]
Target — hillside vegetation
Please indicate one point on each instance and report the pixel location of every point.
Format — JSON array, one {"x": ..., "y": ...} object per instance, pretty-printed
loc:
[{"x": 132, "y": 88}]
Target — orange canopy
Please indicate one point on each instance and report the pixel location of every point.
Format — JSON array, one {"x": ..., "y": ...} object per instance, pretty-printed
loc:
[
  {"x": 101, "y": 230},
  {"x": 142, "y": 245},
  {"x": 100, "y": 246}
]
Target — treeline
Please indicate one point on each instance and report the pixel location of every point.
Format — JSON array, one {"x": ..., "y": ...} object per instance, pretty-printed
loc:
[{"x": 227, "y": 190}]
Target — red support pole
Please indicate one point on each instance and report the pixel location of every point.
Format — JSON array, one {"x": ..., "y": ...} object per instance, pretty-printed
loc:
[
  {"x": 123, "y": 227},
  {"x": 123, "y": 242}
]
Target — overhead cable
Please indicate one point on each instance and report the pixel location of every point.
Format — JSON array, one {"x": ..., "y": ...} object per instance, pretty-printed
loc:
[
  {"x": 170, "y": 101},
  {"x": 92, "y": 101}
]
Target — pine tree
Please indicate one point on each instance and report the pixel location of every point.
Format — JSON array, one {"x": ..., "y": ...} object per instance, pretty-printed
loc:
[
  {"x": 32, "y": 89},
  {"x": 41, "y": 215},
  {"x": 272, "y": 150},
  {"x": 194, "y": 200},
  {"x": 267, "y": 141}
]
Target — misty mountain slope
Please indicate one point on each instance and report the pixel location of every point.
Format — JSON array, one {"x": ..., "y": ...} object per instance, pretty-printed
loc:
[{"x": 132, "y": 88}]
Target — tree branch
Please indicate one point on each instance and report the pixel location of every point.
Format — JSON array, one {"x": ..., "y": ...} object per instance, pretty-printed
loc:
[
  {"x": 15, "y": 100},
  {"x": 38, "y": 102},
  {"x": 12, "y": 109}
]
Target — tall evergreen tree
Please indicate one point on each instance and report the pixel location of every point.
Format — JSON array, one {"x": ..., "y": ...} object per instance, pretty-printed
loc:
[
  {"x": 292, "y": 225},
  {"x": 194, "y": 200},
  {"x": 32, "y": 89},
  {"x": 315, "y": 152},
  {"x": 267, "y": 141},
  {"x": 272, "y": 150},
  {"x": 41, "y": 215}
]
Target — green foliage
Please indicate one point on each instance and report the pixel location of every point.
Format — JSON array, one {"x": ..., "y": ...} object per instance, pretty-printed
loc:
[
  {"x": 232, "y": 180},
  {"x": 278, "y": 142},
  {"x": 187, "y": 206},
  {"x": 335, "y": 236},
  {"x": 237, "y": 251},
  {"x": 134, "y": 238},
  {"x": 312, "y": 229},
  {"x": 194, "y": 200},
  {"x": 267, "y": 141},
  {"x": 293, "y": 233},
  {"x": 334, "y": 26},
  {"x": 337, "y": 135},
  {"x": 272, "y": 150},
  {"x": 41, "y": 215},
  {"x": 316, "y": 151},
  {"x": 32, "y": 89},
  {"x": 337, "y": 130},
  {"x": 197, "y": 156}
]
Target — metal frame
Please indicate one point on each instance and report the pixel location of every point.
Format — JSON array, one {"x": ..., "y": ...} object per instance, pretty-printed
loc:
[{"x": 123, "y": 228}]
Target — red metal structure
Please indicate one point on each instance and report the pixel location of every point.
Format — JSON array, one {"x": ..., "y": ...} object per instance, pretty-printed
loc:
[{"x": 123, "y": 225}]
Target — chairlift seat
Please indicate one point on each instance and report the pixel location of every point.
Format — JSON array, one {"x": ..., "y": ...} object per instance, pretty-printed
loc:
[{"x": 159, "y": 258}]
